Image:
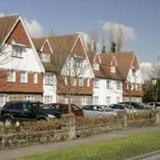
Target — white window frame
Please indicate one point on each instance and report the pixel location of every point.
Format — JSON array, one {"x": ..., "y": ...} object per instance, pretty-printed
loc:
[
  {"x": 81, "y": 82},
  {"x": 88, "y": 82},
  {"x": 113, "y": 69},
  {"x": 35, "y": 78},
  {"x": 118, "y": 84},
  {"x": 96, "y": 66},
  {"x": 29, "y": 97},
  {"x": 96, "y": 83},
  {"x": 3, "y": 99},
  {"x": 95, "y": 100},
  {"x": 24, "y": 77},
  {"x": 108, "y": 84},
  {"x": 11, "y": 76},
  {"x": 49, "y": 79},
  {"x": 18, "y": 50},
  {"x": 45, "y": 57}
]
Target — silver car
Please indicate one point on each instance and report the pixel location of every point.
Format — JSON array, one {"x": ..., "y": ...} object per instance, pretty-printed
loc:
[{"x": 93, "y": 111}]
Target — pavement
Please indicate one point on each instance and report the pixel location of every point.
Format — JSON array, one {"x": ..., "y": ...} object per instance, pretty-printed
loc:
[{"x": 41, "y": 148}]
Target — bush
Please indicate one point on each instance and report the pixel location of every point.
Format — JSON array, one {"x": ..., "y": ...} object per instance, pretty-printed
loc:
[
  {"x": 33, "y": 126},
  {"x": 85, "y": 122},
  {"x": 140, "y": 115}
]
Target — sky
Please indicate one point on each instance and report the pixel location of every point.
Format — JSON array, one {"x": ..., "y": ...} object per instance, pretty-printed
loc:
[{"x": 70, "y": 16}]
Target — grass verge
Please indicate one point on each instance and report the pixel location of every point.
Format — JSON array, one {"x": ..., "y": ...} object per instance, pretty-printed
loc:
[{"x": 117, "y": 149}]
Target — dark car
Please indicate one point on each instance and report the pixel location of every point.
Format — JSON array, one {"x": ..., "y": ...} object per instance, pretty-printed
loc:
[
  {"x": 17, "y": 111},
  {"x": 64, "y": 109}
]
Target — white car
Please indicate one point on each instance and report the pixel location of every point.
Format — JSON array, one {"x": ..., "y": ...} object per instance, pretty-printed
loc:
[{"x": 93, "y": 111}]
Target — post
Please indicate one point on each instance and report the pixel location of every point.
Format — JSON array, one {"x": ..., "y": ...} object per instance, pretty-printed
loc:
[
  {"x": 69, "y": 125},
  {"x": 157, "y": 117}
]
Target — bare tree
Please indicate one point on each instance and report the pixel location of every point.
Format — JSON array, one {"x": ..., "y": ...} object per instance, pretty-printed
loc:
[
  {"x": 93, "y": 38},
  {"x": 70, "y": 71}
]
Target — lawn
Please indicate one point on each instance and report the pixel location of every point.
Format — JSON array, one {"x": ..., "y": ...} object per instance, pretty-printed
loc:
[{"x": 117, "y": 149}]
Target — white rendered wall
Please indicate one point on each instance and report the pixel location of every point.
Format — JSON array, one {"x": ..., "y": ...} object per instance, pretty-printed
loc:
[
  {"x": 28, "y": 62},
  {"x": 50, "y": 90},
  {"x": 102, "y": 92}
]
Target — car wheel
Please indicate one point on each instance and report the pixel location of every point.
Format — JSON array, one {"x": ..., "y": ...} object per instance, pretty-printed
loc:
[{"x": 8, "y": 122}]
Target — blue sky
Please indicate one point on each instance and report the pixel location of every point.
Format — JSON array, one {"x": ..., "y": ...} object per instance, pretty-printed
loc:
[{"x": 69, "y": 16}]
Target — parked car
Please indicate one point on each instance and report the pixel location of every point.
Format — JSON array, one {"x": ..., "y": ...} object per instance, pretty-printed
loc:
[
  {"x": 154, "y": 104},
  {"x": 137, "y": 105},
  {"x": 46, "y": 109},
  {"x": 64, "y": 109},
  {"x": 91, "y": 111},
  {"x": 123, "y": 107},
  {"x": 17, "y": 111}
]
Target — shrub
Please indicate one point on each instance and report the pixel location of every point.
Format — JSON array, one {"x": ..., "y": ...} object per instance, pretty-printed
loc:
[
  {"x": 85, "y": 122},
  {"x": 34, "y": 126},
  {"x": 140, "y": 115}
]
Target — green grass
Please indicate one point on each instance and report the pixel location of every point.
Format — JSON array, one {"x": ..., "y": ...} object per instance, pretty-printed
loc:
[{"x": 117, "y": 149}]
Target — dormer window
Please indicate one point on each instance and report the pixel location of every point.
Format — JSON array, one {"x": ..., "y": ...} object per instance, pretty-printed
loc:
[
  {"x": 96, "y": 66},
  {"x": 17, "y": 50},
  {"x": 45, "y": 57},
  {"x": 113, "y": 69}
]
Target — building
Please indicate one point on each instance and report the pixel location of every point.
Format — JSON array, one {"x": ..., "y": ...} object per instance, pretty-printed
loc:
[
  {"x": 21, "y": 71},
  {"x": 50, "y": 82},
  {"x": 107, "y": 86},
  {"x": 128, "y": 65},
  {"x": 73, "y": 70}
]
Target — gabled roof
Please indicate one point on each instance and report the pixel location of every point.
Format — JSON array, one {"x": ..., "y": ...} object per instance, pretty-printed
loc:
[
  {"x": 62, "y": 47},
  {"x": 125, "y": 61},
  {"x": 6, "y": 24},
  {"x": 38, "y": 42}
]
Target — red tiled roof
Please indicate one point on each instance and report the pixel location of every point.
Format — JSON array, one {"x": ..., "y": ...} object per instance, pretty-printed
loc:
[{"x": 6, "y": 24}]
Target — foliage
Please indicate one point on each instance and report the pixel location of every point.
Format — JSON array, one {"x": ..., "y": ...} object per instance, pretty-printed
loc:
[
  {"x": 141, "y": 115},
  {"x": 32, "y": 127},
  {"x": 117, "y": 149},
  {"x": 85, "y": 122}
]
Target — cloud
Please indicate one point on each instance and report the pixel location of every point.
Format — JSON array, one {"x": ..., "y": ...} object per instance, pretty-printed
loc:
[
  {"x": 86, "y": 39},
  {"x": 116, "y": 30},
  {"x": 2, "y": 14},
  {"x": 146, "y": 70},
  {"x": 34, "y": 28}
]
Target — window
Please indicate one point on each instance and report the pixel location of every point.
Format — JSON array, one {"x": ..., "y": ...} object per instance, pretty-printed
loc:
[
  {"x": 95, "y": 100},
  {"x": 48, "y": 99},
  {"x": 45, "y": 57},
  {"x": 35, "y": 78},
  {"x": 3, "y": 100},
  {"x": 88, "y": 82},
  {"x": 108, "y": 100},
  {"x": 96, "y": 83},
  {"x": 65, "y": 81},
  {"x": 83, "y": 100},
  {"x": 23, "y": 77},
  {"x": 73, "y": 82},
  {"x": 11, "y": 76},
  {"x": 96, "y": 66},
  {"x": 81, "y": 82},
  {"x": 108, "y": 84},
  {"x": 119, "y": 85},
  {"x": 29, "y": 98},
  {"x": 49, "y": 79},
  {"x": 113, "y": 69},
  {"x": 18, "y": 50}
]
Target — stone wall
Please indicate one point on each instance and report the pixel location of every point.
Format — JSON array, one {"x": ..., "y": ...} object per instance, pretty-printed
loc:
[{"x": 69, "y": 131}]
